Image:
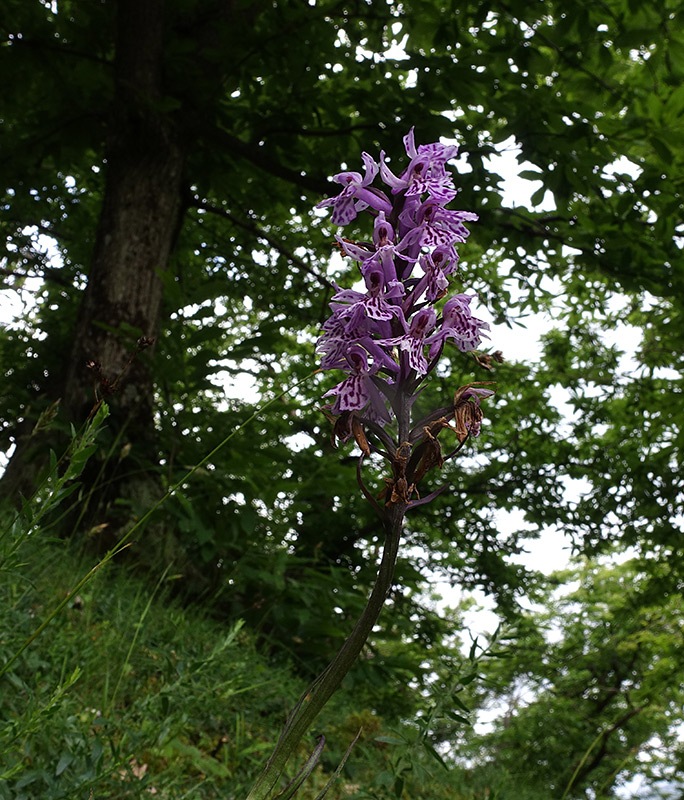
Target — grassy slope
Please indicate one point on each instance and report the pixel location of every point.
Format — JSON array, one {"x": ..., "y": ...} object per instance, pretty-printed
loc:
[{"x": 126, "y": 692}]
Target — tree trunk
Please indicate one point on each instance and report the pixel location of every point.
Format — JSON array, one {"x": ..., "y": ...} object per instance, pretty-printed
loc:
[{"x": 140, "y": 217}]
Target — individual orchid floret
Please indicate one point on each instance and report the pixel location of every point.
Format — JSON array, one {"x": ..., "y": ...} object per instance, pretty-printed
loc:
[
  {"x": 383, "y": 233},
  {"x": 373, "y": 304},
  {"x": 432, "y": 225},
  {"x": 388, "y": 255},
  {"x": 413, "y": 342},
  {"x": 436, "y": 151},
  {"x": 358, "y": 390},
  {"x": 356, "y": 195},
  {"x": 382, "y": 257},
  {"x": 425, "y": 174},
  {"x": 458, "y": 324},
  {"x": 347, "y": 328},
  {"x": 436, "y": 265}
]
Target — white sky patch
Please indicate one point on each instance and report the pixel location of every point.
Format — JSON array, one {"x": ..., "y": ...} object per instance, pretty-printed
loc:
[
  {"x": 237, "y": 386},
  {"x": 516, "y": 191},
  {"x": 18, "y": 300},
  {"x": 397, "y": 51},
  {"x": 14, "y": 305},
  {"x": 623, "y": 165},
  {"x": 480, "y": 620},
  {"x": 520, "y": 341},
  {"x": 299, "y": 441},
  {"x": 549, "y": 553}
]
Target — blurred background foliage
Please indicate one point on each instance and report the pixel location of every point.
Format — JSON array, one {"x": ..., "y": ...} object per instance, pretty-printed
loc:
[{"x": 232, "y": 115}]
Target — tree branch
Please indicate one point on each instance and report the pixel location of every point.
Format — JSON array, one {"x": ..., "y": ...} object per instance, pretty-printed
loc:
[
  {"x": 41, "y": 44},
  {"x": 256, "y": 155},
  {"x": 259, "y": 233}
]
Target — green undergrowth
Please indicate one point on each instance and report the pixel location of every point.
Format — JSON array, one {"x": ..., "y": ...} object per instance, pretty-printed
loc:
[
  {"x": 111, "y": 688},
  {"x": 128, "y": 694}
]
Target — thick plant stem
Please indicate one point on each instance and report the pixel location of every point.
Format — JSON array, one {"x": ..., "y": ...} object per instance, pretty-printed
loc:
[{"x": 321, "y": 690}]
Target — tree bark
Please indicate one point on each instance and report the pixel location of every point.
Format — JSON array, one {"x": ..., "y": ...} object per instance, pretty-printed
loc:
[
  {"x": 140, "y": 217},
  {"x": 139, "y": 222}
]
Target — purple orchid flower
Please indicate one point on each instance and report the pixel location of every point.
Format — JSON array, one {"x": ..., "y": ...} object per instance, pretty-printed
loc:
[
  {"x": 432, "y": 225},
  {"x": 358, "y": 390},
  {"x": 356, "y": 195},
  {"x": 387, "y": 336},
  {"x": 426, "y": 173},
  {"x": 372, "y": 304},
  {"x": 412, "y": 343},
  {"x": 347, "y": 328},
  {"x": 458, "y": 324},
  {"x": 442, "y": 261}
]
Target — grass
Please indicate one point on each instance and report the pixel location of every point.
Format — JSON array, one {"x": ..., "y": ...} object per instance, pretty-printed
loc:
[
  {"x": 127, "y": 694},
  {"x": 110, "y": 689}
]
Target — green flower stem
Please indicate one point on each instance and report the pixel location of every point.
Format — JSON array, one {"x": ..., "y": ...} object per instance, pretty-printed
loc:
[{"x": 322, "y": 689}]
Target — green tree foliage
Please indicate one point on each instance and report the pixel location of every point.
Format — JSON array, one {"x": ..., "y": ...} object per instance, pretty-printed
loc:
[{"x": 592, "y": 692}]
